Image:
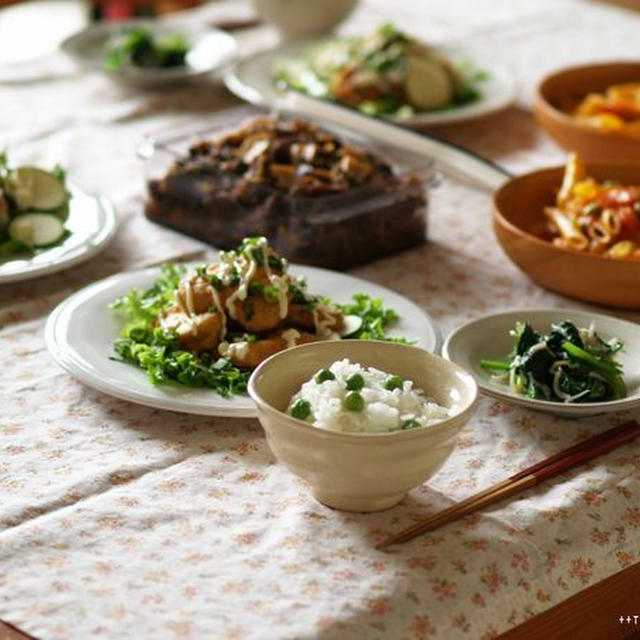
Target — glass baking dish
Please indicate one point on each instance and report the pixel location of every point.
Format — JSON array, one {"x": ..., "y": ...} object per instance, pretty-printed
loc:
[{"x": 338, "y": 231}]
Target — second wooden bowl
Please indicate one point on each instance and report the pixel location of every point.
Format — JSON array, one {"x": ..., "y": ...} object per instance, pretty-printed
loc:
[
  {"x": 559, "y": 93},
  {"x": 518, "y": 210}
]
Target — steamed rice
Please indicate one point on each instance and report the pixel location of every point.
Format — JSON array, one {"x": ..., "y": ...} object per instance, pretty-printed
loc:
[{"x": 382, "y": 410}]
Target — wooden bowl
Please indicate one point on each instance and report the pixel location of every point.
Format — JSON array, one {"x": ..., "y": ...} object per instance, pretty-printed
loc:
[
  {"x": 560, "y": 92},
  {"x": 518, "y": 210}
]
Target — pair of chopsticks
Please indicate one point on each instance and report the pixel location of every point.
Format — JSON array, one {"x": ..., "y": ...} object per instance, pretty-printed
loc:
[{"x": 529, "y": 477}]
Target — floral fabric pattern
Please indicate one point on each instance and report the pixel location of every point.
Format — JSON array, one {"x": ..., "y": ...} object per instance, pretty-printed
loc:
[{"x": 123, "y": 521}]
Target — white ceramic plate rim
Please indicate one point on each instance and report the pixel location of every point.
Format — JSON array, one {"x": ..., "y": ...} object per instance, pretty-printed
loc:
[
  {"x": 559, "y": 408},
  {"x": 82, "y": 367},
  {"x": 73, "y": 46},
  {"x": 500, "y": 87},
  {"x": 108, "y": 225}
]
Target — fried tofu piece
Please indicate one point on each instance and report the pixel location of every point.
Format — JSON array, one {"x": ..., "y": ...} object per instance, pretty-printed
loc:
[
  {"x": 197, "y": 333},
  {"x": 255, "y": 313},
  {"x": 195, "y": 295},
  {"x": 248, "y": 355}
]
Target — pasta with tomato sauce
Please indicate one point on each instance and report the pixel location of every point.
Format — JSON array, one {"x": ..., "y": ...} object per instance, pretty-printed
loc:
[{"x": 595, "y": 217}]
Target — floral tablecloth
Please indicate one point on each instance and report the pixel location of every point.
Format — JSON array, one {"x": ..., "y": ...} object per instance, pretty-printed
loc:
[{"x": 122, "y": 521}]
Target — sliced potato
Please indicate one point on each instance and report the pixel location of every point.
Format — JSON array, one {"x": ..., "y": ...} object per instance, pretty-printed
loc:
[{"x": 428, "y": 84}]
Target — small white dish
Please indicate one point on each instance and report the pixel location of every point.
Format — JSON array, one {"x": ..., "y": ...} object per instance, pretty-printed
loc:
[
  {"x": 80, "y": 333},
  {"x": 488, "y": 338},
  {"x": 252, "y": 79},
  {"x": 92, "y": 222},
  {"x": 210, "y": 50}
]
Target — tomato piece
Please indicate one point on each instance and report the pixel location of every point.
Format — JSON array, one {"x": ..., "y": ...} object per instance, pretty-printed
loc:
[
  {"x": 618, "y": 196},
  {"x": 629, "y": 224}
]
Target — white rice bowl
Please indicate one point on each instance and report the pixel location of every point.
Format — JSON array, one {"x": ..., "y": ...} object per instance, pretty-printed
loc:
[{"x": 383, "y": 411}]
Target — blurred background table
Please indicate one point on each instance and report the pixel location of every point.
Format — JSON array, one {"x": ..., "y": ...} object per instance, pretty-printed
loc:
[{"x": 122, "y": 521}]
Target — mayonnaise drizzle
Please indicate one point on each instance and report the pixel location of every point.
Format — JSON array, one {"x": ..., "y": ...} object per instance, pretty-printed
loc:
[
  {"x": 241, "y": 292},
  {"x": 188, "y": 308},
  {"x": 220, "y": 310},
  {"x": 247, "y": 266},
  {"x": 179, "y": 322},
  {"x": 323, "y": 319},
  {"x": 237, "y": 349},
  {"x": 279, "y": 283},
  {"x": 290, "y": 336}
]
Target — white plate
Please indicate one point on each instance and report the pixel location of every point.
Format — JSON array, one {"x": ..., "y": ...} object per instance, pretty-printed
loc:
[
  {"x": 211, "y": 49},
  {"x": 92, "y": 222},
  {"x": 489, "y": 338},
  {"x": 80, "y": 334},
  {"x": 252, "y": 80}
]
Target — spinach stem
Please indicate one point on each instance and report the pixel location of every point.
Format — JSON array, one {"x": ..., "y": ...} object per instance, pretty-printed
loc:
[{"x": 497, "y": 365}]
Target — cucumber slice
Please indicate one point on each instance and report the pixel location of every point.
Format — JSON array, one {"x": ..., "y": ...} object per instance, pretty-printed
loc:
[
  {"x": 36, "y": 229},
  {"x": 33, "y": 188}
]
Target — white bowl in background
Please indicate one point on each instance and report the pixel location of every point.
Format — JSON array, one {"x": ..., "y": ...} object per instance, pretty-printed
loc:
[{"x": 297, "y": 19}]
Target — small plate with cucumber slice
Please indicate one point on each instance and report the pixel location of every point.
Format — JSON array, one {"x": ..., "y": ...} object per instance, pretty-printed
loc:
[{"x": 47, "y": 222}]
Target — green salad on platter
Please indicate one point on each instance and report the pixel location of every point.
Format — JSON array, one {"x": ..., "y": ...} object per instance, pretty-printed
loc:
[
  {"x": 387, "y": 73},
  {"x": 212, "y": 325}
]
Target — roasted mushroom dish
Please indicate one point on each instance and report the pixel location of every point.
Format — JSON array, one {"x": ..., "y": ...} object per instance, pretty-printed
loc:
[
  {"x": 208, "y": 327},
  {"x": 317, "y": 198}
]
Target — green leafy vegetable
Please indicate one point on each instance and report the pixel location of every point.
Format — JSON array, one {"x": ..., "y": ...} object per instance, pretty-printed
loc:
[
  {"x": 59, "y": 173},
  {"x": 159, "y": 354},
  {"x": 566, "y": 365},
  {"x": 12, "y": 247},
  {"x": 375, "y": 318},
  {"x": 137, "y": 46},
  {"x": 139, "y": 309}
]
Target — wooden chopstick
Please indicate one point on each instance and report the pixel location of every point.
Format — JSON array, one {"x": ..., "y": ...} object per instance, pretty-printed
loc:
[{"x": 529, "y": 477}]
